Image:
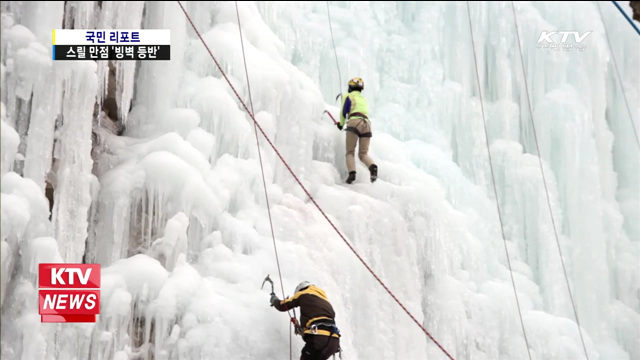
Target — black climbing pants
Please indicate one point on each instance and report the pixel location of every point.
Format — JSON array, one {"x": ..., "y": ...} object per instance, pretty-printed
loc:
[{"x": 319, "y": 347}]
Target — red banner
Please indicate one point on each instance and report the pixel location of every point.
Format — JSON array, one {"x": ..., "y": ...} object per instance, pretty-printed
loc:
[{"x": 69, "y": 292}]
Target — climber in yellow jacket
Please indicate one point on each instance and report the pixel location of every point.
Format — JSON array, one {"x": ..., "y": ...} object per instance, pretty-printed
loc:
[{"x": 355, "y": 113}]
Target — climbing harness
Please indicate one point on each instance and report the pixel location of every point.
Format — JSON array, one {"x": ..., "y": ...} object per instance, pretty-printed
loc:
[
  {"x": 357, "y": 115},
  {"x": 354, "y": 129},
  {"x": 329, "y": 327}
]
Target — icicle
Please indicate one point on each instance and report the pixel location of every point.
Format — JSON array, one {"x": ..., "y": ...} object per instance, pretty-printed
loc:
[
  {"x": 6, "y": 265},
  {"x": 45, "y": 107},
  {"x": 174, "y": 241},
  {"x": 158, "y": 93},
  {"x": 3, "y": 86},
  {"x": 80, "y": 14},
  {"x": 125, "y": 70},
  {"x": 119, "y": 15},
  {"x": 74, "y": 178},
  {"x": 42, "y": 18},
  {"x": 10, "y": 142},
  {"x": 36, "y": 251},
  {"x": 29, "y": 208}
]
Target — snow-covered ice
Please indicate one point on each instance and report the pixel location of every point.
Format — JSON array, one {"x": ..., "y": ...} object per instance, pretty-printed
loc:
[{"x": 175, "y": 212}]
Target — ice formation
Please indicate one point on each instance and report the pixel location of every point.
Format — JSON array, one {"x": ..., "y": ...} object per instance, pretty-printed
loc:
[{"x": 174, "y": 210}]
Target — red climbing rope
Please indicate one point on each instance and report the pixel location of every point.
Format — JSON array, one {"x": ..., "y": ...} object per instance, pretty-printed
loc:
[{"x": 306, "y": 191}]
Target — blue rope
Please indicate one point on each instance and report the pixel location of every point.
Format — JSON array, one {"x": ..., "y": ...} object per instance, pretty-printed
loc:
[{"x": 627, "y": 17}]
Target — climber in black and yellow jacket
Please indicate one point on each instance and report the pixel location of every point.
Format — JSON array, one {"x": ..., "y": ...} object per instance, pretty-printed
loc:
[{"x": 320, "y": 334}]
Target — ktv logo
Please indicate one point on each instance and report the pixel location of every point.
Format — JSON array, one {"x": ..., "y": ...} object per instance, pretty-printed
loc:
[{"x": 69, "y": 292}]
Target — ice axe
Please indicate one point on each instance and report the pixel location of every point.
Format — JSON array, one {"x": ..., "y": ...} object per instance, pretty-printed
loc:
[
  {"x": 269, "y": 280},
  {"x": 331, "y": 116},
  {"x": 294, "y": 320}
]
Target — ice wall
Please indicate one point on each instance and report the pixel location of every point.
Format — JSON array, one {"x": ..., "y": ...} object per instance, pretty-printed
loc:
[
  {"x": 177, "y": 216},
  {"x": 572, "y": 112}
]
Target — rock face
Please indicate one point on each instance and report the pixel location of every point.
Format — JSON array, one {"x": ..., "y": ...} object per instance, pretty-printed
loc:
[
  {"x": 106, "y": 122},
  {"x": 635, "y": 6}
]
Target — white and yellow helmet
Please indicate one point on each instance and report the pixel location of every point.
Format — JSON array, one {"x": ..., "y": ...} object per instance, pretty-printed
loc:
[
  {"x": 356, "y": 84},
  {"x": 303, "y": 285}
]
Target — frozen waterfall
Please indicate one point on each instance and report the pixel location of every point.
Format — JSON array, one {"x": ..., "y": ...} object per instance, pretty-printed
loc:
[{"x": 151, "y": 170}]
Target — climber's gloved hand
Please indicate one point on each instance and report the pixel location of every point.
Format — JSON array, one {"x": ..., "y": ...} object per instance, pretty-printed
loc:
[{"x": 274, "y": 299}]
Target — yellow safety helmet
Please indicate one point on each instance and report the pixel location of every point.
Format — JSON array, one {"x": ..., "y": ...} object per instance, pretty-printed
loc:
[{"x": 356, "y": 84}]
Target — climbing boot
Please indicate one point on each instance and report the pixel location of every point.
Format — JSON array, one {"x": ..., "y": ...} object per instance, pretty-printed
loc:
[
  {"x": 352, "y": 177},
  {"x": 373, "y": 169}
]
